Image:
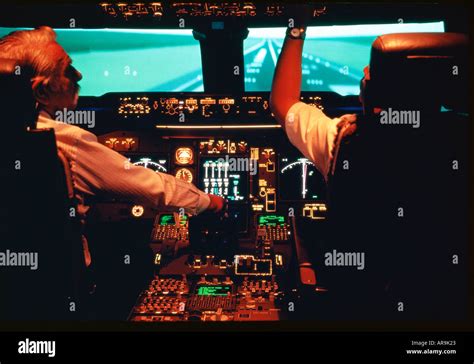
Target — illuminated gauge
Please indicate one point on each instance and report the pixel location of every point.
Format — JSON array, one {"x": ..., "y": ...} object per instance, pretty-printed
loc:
[
  {"x": 184, "y": 156},
  {"x": 137, "y": 211},
  {"x": 267, "y": 153},
  {"x": 221, "y": 145},
  {"x": 112, "y": 143},
  {"x": 184, "y": 174},
  {"x": 148, "y": 163},
  {"x": 128, "y": 143},
  {"x": 242, "y": 146},
  {"x": 304, "y": 173}
]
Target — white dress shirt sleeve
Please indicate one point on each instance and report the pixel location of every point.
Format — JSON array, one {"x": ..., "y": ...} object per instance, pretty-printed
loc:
[
  {"x": 98, "y": 169},
  {"x": 313, "y": 133}
]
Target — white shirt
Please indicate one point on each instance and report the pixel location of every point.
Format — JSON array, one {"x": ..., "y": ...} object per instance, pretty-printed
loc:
[
  {"x": 313, "y": 133},
  {"x": 97, "y": 169}
]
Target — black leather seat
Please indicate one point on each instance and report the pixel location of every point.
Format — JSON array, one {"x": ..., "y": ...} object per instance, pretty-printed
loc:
[
  {"x": 424, "y": 171},
  {"x": 419, "y": 70},
  {"x": 37, "y": 211}
]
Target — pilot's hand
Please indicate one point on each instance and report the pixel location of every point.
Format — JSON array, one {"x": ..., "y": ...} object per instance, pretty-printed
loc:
[{"x": 216, "y": 205}]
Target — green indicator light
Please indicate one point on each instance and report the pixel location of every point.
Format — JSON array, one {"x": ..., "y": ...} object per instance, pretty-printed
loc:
[
  {"x": 271, "y": 220},
  {"x": 167, "y": 219},
  {"x": 213, "y": 290}
]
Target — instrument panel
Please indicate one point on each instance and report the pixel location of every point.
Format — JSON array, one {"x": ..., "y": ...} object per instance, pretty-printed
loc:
[
  {"x": 158, "y": 9},
  {"x": 165, "y": 110},
  {"x": 253, "y": 175},
  {"x": 200, "y": 106},
  {"x": 231, "y": 267}
]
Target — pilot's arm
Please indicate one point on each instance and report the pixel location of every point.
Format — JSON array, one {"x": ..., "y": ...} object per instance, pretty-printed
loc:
[
  {"x": 104, "y": 170},
  {"x": 307, "y": 127},
  {"x": 96, "y": 169}
]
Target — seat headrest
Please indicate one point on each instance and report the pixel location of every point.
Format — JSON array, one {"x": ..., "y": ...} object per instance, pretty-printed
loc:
[
  {"x": 419, "y": 70},
  {"x": 17, "y": 102}
]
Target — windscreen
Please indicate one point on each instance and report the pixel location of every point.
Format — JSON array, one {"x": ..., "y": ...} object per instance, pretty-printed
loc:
[
  {"x": 132, "y": 60},
  {"x": 333, "y": 56}
]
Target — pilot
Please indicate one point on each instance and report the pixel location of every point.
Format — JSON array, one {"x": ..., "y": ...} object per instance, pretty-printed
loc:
[
  {"x": 95, "y": 168},
  {"x": 385, "y": 163},
  {"x": 318, "y": 138}
]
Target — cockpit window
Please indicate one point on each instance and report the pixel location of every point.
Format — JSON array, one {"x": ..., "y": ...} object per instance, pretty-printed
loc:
[
  {"x": 129, "y": 60},
  {"x": 333, "y": 56}
]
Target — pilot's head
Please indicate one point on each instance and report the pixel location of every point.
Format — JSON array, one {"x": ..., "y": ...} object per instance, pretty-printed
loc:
[{"x": 55, "y": 81}]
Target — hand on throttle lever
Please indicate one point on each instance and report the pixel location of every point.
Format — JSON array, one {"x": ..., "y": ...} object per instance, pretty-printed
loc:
[{"x": 216, "y": 204}]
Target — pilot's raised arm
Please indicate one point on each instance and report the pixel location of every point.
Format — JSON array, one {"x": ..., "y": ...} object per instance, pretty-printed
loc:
[{"x": 307, "y": 127}]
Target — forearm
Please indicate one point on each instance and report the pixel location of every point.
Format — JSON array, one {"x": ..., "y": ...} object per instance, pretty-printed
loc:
[
  {"x": 99, "y": 170},
  {"x": 175, "y": 194},
  {"x": 286, "y": 85}
]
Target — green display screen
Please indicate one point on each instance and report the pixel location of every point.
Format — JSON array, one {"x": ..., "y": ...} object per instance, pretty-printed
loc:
[
  {"x": 271, "y": 220},
  {"x": 132, "y": 60},
  {"x": 333, "y": 56},
  {"x": 168, "y": 219},
  {"x": 214, "y": 290}
]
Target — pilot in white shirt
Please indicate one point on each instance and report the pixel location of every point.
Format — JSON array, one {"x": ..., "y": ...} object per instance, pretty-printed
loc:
[
  {"x": 313, "y": 134},
  {"x": 308, "y": 128},
  {"x": 95, "y": 168}
]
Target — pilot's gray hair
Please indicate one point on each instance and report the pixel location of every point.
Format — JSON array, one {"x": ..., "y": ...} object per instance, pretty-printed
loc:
[{"x": 30, "y": 48}]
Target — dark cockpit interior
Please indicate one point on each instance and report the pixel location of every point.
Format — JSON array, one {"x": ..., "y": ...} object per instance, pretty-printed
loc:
[{"x": 183, "y": 88}]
